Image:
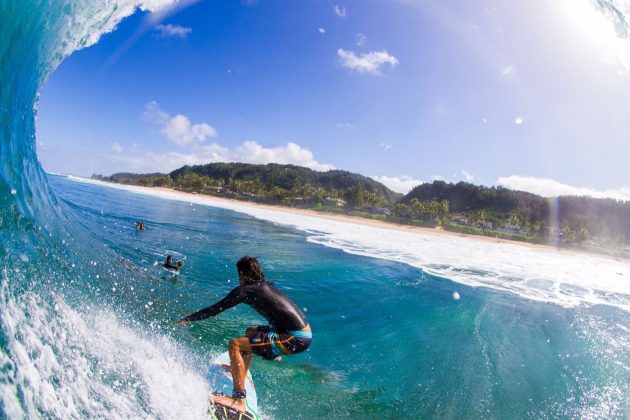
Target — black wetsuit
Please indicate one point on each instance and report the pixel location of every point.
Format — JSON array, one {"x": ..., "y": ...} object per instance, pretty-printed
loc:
[{"x": 282, "y": 314}]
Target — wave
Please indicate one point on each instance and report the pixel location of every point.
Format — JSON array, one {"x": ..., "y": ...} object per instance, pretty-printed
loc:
[{"x": 61, "y": 357}]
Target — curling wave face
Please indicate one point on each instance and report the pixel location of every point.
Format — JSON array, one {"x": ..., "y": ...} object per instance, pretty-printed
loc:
[{"x": 56, "y": 361}]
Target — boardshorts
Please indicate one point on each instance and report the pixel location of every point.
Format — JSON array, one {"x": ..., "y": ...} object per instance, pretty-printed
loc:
[{"x": 269, "y": 344}]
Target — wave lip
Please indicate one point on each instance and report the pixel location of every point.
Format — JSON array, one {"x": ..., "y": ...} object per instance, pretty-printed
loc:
[{"x": 36, "y": 36}]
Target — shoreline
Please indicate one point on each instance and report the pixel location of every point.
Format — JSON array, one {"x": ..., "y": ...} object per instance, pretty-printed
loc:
[{"x": 345, "y": 218}]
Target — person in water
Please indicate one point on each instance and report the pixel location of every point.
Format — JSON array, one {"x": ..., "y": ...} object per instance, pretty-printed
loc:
[
  {"x": 288, "y": 332},
  {"x": 169, "y": 264},
  {"x": 139, "y": 225}
]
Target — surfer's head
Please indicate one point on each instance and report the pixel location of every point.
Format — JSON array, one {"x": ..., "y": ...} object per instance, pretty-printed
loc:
[
  {"x": 169, "y": 260},
  {"x": 249, "y": 271}
]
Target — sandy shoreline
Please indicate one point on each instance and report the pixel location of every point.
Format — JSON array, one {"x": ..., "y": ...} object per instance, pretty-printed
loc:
[{"x": 380, "y": 224}]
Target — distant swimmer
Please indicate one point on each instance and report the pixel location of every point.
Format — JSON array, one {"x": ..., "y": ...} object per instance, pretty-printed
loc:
[
  {"x": 288, "y": 332},
  {"x": 139, "y": 225},
  {"x": 170, "y": 266}
]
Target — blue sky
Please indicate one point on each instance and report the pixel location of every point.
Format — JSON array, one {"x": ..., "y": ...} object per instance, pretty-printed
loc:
[{"x": 529, "y": 95}]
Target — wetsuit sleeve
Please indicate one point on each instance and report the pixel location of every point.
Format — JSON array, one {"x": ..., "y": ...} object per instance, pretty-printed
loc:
[{"x": 235, "y": 297}]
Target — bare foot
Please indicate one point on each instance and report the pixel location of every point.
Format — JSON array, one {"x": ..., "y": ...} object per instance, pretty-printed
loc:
[
  {"x": 236, "y": 404},
  {"x": 278, "y": 358}
]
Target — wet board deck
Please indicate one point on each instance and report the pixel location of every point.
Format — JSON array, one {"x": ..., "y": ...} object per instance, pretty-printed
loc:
[{"x": 220, "y": 380}]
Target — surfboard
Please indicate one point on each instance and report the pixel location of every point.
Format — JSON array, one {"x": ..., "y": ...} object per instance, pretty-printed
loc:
[{"x": 220, "y": 380}]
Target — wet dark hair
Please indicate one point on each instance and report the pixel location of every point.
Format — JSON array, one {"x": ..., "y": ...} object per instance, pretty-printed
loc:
[
  {"x": 169, "y": 257},
  {"x": 251, "y": 270}
]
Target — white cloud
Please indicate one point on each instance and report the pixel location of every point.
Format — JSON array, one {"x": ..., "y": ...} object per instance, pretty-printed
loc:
[
  {"x": 345, "y": 125},
  {"x": 551, "y": 188},
  {"x": 252, "y": 152},
  {"x": 340, "y": 10},
  {"x": 385, "y": 146},
  {"x": 117, "y": 148},
  {"x": 178, "y": 129},
  {"x": 519, "y": 120},
  {"x": 322, "y": 30},
  {"x": 467, "y": 175},
  {"x": 368, "y": 62},
  {"x": 361, "y": 38},
  {"x": 247, "y": 152},
  {"x": 401, "y": 184},
  {"x": 173, "y": 30},
  {"x": 437, "y": 178}
]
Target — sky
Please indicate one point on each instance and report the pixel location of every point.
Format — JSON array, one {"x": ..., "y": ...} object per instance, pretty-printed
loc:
[{"x": 529, "y": 95}]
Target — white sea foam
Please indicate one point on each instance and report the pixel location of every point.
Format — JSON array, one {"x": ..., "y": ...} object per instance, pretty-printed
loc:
[
  {"x": 540, "y": 274},
  {"x": 67, "y": 363}
]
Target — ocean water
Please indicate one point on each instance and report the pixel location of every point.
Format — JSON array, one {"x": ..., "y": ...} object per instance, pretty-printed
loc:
[{"x": 404, "y": 325}]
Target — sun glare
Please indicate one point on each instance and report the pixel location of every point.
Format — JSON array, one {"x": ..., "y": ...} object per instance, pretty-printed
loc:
[{"x": 596, "y": 28}]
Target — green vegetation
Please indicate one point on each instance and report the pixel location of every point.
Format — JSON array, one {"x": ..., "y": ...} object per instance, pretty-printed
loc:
[{"x": 595, "y": 224}]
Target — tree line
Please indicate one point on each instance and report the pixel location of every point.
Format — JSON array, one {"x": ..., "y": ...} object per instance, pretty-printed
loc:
[{"x": 464, "y": 206}]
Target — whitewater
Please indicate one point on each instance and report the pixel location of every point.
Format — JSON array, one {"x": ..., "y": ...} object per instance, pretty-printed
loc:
[{"x": 540, "y": 274}]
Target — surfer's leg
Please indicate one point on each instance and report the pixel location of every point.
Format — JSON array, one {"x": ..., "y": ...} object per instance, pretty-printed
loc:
[
  {"x": 238, "y": 347},
  {"x": 247, "y": 357},
  {"x": 240, "y": 357}
]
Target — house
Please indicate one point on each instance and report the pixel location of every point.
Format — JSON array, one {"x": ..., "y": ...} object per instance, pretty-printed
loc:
[
  {"x": 337, "y": 202},
  {"x": 460, "y": 220},
  {"x": 514, "y": 230},
  {"x": 383, "y": 211},
  {"x": 482, "y": 224}
]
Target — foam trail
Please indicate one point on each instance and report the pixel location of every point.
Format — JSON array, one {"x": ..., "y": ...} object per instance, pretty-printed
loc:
[{"x": 540, "y": 274}]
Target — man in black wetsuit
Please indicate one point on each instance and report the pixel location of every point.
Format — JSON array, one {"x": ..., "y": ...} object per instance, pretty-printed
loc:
[{"x": 288, "y": 332}]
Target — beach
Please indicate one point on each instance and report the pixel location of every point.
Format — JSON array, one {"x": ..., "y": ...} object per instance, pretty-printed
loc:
[{"x": 345, "y": 218}]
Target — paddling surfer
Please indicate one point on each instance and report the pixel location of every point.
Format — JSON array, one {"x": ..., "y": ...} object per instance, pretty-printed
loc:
[
  {"x": 288, "y": 332},
  {"x": 170, "y": 266}
]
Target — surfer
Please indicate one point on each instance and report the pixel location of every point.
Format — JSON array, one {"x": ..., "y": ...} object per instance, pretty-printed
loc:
[
  {"x": 139, "y": 225},
  {"x": 169, "y": 264},
  {"x": 288, "y": 332}
]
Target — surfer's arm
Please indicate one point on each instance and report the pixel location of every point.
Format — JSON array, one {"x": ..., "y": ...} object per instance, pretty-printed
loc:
[{"x": 232, "y": 299}]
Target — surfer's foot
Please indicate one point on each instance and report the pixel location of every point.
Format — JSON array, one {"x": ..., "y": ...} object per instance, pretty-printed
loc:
[
  {"x": 278, "y": 359},
  {"x": 235, "y": 403}
]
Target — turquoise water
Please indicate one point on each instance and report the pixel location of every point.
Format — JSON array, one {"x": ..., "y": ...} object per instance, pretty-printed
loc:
[
  {"x": 390, "y": 340},
  {"x": 87, "y": 314}
]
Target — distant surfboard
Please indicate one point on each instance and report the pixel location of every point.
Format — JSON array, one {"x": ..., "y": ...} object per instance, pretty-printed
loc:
[{"x": 220, "y": 380}]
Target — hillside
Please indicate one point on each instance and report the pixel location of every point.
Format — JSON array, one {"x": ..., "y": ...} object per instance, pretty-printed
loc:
[
  {"x": 274, "y": 183},
  {"x": 462, "y": 207},
  {"x": 572, "y": 219},
  {"x": 290, "y": 177}
]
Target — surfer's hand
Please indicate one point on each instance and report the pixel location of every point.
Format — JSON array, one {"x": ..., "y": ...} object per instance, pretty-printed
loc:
[{"x": 182, "y": 322}]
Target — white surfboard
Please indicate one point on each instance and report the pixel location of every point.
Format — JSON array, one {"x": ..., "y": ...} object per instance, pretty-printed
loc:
[{"x": 220, "y": 380}]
